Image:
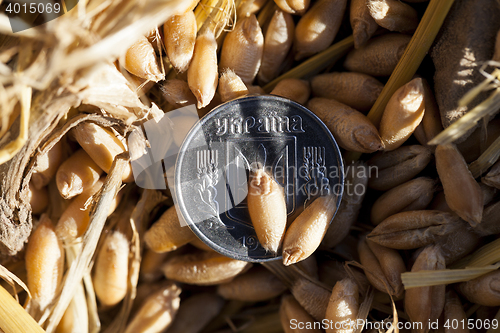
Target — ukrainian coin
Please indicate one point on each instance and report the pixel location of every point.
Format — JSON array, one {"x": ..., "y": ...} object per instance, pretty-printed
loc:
[{"x": 214, "y": 161}]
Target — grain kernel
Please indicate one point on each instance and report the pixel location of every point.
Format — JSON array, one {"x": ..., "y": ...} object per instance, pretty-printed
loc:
[
  {"x": 492, "y": 178},
  {"x": 484, "y": 290},
  {"x": 258, "y": 284},
  {"x": 391, "y": 169},
  {"x": 312, "y": 297},
  {"x": 177, "y": 92},
  {"x": 332, "y": 271},
  {"x": 458, "y": 244},
  {"x": 362, "y": 23},
  {"x": 454, "y": 312},
  {"x": 343, "y": 306},
  {"x": 298, "y": 7},
  {"x": 140, "y": 60},
  {"x": 290, "y": 310},
  {"x": 277, "y": 43},
  {"x": 111, "y": 269},
  {"x": 203, "y": 268},
  {"x": 38, "y": 199},
  {"x": 490, "y": 224},
  {"x": 383, "y": 267},
  {"x": 167, "y": 234},
  {"x": 479, "y": 140},
  {"x": 249, "y": 7},
  {"x": 318, "y": 27},
  {"x": 203, "y": 73},
  {"x": 75, "y": 219},
  {"x": 231, "y": 86},
  {"x": 393, "y": 15},
  {"x": 242, "y": 49},
  {"x": 306, "y": 232},
  {"x": 180, "y": 37},
  {"x": 410, "y": 230},
  {"x": 267, "y": 209},
  {"x": 157, "y": 311},
  {"x": 68, "y": 323},
  {"x": 294, "y": 89},
  {"x": 379, "y": 56},
  {"x": 413, "y": 195},
  {"x": 256, "y": 90},
  {"x": 457, "y": 179},
  {"x": 496, "y": 55},
  {"x": 350, "y": 205},
  {"x": 196, "y": 312},
  {"x": 44, "y": 263},
  {"x": 403, "y": 114},
  {"x": 431, "y": 122},
  {"x": 200, "y": 245},
  {"x": 359, "y": 91},
  {"x": 46, "y": 166},
  {"x": 77, "y": 174},
  {"x": 352, "y": 130},
  {"x": 425, "y": 304},
  {"x": 151, "y": 263},
  {"x": 102, "y": 146}
]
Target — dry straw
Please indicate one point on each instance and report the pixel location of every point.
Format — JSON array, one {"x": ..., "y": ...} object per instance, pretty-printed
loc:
[
  {"x": 444, "y": 276},
  {"x": 78, "y": 268},
  {"x": 13, "y": 318}
]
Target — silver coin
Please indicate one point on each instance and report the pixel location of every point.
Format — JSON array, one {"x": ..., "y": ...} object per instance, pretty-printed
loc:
[{"x": 214, "y": 161}]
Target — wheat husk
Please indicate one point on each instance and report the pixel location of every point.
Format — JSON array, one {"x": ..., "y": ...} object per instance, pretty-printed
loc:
[
  {"x": 74, "y": 67},
  {"x": 38, "y": 199},
  {"x": 457, "y": 55}
]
